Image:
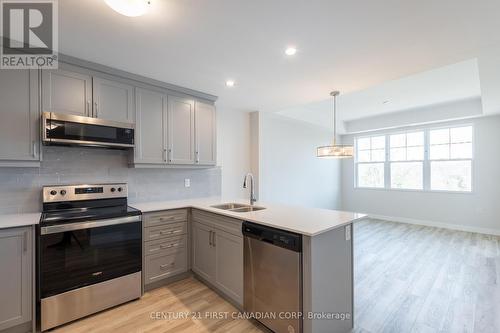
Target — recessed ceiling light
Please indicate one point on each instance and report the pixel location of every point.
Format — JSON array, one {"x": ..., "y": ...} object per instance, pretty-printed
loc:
[
  {"x": 290, "y": 51},
  {"x": 130, "y": 8},
  {"x": 229, "y": 83}
]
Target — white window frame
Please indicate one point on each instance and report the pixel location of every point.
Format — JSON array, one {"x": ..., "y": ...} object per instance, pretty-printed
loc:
[{"x": 426, "y": 163}]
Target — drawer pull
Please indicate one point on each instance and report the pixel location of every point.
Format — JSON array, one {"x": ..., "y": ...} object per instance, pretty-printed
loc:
[
  {"x": 169, "y": 232},
  {"x": 169, "y": 246},
  {"x": 167, "y": 218},
  {"x": 167, "y": 265}
]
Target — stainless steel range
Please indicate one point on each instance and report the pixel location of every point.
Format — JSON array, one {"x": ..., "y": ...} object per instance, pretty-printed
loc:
[{"x": 89, "y": 252}]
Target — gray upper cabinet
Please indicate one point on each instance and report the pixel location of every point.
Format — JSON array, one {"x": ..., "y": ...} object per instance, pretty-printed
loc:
[
  {"x": 181, "y": 145},
  {"x": 205, "y": 136},
  {"x": 20, "y": 125},
  {"x": 66, "y": 92},
  {"x": 151, "y": 124},
  {"x": 16, "y": 277},
  {"x": 112, "y": 100}
]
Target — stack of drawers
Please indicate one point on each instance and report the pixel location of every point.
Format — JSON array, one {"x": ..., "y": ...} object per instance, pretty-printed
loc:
[{"x": 165, "y": 244}]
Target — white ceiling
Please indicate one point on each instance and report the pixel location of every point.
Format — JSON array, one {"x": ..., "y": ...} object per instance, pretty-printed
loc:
[
  {"x": 347, "y": 45},
  {"x": 442, "y": 85}
]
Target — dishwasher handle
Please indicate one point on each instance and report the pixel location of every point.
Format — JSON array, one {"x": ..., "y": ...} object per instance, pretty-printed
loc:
[{"x": 277, "y": 237}]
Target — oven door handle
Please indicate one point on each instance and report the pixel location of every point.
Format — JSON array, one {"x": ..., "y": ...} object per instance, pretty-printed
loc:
[{"x": 88, "y": 224}]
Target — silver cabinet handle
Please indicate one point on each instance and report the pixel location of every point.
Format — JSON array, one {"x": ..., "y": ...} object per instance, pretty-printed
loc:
[
  {"x": 34, "y": 148},
  {"x": 213, "y": 241},
  {"x": 210, "y": 238},
  {"x": 169, "y": 155},
  {"x": 88, "y": 108},
  {"x": 165, "y": 155},
  {"x": 197, "y": 154},
  {"x": 25, "y": 241},
  {"x": 167, "y": 265},
  {"x": 96, "y": 115}
]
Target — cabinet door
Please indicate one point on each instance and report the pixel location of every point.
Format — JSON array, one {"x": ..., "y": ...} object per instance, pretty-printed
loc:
[
  {"x": 180, "y": 130},
  {"x": 229, "y": 264},
  {"x": 20, "y": 115},
  {"x": 205, "y": 134},
  {"x": 203, "y": 255},
  {"x": 112, "y": 100},
  {"x": 16, "y": 277},
  {"x": 150, "y": 134},
  {"x": 66, "y": 92}
]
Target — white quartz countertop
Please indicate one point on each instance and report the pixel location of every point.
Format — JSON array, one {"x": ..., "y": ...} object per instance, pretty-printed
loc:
[
  {"x": 302, "y": 220},
  {"x": 18, "y": 220}
]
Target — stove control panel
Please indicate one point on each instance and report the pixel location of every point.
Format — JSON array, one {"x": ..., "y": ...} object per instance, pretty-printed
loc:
[{"x": 84, "y": 192}]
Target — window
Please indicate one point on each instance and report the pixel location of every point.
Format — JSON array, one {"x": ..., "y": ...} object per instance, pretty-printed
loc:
[
  {"x": 406, "y": 160},
  {"x": 434, "y": 159},
  {"x": 371, "y": 158},
  {"x": 451, "y": 159}
]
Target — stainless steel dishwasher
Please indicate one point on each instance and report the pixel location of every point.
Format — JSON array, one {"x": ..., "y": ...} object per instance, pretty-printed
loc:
[{"x": 273, "y": 277}]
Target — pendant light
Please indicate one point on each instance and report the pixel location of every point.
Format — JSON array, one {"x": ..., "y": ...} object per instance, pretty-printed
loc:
[{"x": 335, "y": 150}]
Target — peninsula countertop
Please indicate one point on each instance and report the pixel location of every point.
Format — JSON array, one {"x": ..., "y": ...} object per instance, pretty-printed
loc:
[{"x": 303, "y": 220}]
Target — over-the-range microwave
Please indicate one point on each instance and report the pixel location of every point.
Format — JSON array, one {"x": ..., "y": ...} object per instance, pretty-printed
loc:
[{"x": 63, "y": 129}]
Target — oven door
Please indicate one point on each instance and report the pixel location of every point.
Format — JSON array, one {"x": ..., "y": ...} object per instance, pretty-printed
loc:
[
  {"x": 79, "y": 254},
  {"x": 85, "y": 131}
]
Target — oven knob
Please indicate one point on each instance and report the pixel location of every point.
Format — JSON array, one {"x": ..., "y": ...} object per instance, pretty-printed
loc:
[
  {"x": 119, "y": 189},
  {"x": 63, "y": 192},
  {"x": 113, "y": 189},
  {"x": 53, "y": 192}
]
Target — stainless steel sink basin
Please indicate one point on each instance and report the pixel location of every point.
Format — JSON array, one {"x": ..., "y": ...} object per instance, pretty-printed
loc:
[
  {"x": 229, "y": 206},
  {"x": 237, "y": 207},
  {"x": 247, "y": 209}
]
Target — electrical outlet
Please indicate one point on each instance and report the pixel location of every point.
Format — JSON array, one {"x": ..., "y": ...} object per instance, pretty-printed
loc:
[
  {"x": 187, "y": 182},
  {"x": 348, "y": 233}
]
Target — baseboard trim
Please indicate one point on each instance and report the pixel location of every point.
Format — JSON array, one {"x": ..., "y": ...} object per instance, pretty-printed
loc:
[{"x": 486, "y": 231}]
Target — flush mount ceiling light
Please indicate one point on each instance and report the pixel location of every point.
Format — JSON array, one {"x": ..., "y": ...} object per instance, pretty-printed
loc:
[
  {"x": 130, "y": 8},
  {"x": 335, "y": 150},
  {"x": 290, "y": 51},
  {"x": 229, "y": 83}
]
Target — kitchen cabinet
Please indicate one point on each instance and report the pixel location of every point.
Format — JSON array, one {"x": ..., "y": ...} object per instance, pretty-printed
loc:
[
  {"x": 151, "y": 125},
  {"x": 205, "y": 134},
  {"x": 77, "y": 92},
  {"x": 229, "y": 264},
  {"x": 203, "y": 259},
  {"x": 20, "y": 114},
  {"x": 67, "y": 92},
  {"x": 112, "y": 100},
  {"x": 181, "y": 145},
  {"x": 16, "y": 258},
  {"x": 217, "y": 252},
  {"x": 165, "y": 246}
]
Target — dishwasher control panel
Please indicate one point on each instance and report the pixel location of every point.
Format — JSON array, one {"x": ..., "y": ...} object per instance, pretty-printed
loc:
[{"x": 285, "y": 239}]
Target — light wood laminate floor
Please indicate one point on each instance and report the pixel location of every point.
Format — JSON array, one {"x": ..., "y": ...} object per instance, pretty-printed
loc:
[{"x": 408, "y": 278}]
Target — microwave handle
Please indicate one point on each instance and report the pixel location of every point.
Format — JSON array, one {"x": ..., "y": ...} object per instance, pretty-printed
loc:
[{"x": 88, "y": 224}]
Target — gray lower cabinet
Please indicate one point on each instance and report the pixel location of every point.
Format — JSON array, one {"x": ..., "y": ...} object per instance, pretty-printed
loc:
[
  {"x": 217, "y": 252},
  {"x": 16, "y": 277},
  {"x": 20, "y": 115},
  {"x": 165, "y": 245}
]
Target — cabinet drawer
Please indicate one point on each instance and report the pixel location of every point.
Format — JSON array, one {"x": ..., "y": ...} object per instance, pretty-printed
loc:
[
  {"x": 163, "y": 231},
  {"x": 160, "y": 267},
  {"x": 165, "y": 246},
  {"x": 165, "y": 217},
  {"x": 225, "y": 223}
]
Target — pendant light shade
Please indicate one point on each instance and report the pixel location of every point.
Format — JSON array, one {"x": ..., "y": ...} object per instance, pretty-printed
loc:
[{"x": 335, "y": 150}]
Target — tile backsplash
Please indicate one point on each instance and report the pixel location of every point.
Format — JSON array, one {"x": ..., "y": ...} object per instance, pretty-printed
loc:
[{"x": 20, "y": 188}]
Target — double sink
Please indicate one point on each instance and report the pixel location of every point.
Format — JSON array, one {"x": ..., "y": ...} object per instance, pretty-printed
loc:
[{"x": 237, "y": 207}]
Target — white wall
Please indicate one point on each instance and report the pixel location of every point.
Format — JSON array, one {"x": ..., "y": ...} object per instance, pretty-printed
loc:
[
  {"x": 478, "y": 211},
  {"x": 289, "y": 171},
  {"x": 233, "y": 150}
]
